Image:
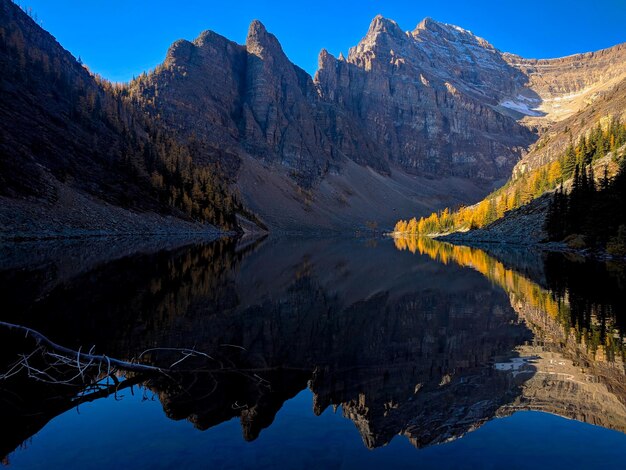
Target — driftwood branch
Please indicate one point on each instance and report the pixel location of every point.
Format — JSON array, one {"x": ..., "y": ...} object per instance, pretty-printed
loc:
[
  {"x": 82, "y": 360},
  {"x": 53, "y": 363},
  {"x": 58, "y": 356}
]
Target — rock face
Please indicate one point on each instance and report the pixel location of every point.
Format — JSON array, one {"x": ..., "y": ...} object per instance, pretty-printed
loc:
[
  {"x": 423, "y": 101},
  {"x": 438, "y": 98},
  {"x": 199, "y": 107},
  {"x": 566, "y": 85},
  {"x": 428, "y": 97},
  {"x": 597, "y": 108},
  {"x": 575, "y": 94},
  {"x": 255, "y": 102}
]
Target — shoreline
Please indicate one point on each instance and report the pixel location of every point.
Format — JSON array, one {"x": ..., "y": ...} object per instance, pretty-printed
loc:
[
  {"x": 475, "y": 241},
  {"x": 76, "y": 235}
]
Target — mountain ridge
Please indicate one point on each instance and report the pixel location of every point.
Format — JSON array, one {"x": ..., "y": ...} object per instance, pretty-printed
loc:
[
  {"x": 434, "y": 102},
  {"x": 78, "y": 159},
  {"x": 407, "y": 123}
]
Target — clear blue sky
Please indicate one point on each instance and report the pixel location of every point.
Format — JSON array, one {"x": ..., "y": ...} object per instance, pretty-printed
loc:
[{"x": 122, "y": 38}]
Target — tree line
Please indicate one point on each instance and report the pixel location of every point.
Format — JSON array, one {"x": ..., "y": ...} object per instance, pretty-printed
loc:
[{"x": 591, "y": 146}]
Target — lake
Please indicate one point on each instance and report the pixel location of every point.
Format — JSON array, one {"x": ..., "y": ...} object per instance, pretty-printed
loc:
[{"x": 313, "y": 353}]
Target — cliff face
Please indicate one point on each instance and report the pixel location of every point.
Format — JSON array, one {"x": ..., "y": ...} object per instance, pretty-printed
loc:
[
  {"x": 575, "y": 94},
  {"x": 566, "y": 85},
  {"x": 202, "y": 109},
  {"x": 440, "y": 97},
  {"x": 596, "y": 107},
  {"x": 428, "y": 97},
  {"x": 239, "y": 100},
  {"x": 436, "y": 102},
  {"x": 422, "y": 101}
]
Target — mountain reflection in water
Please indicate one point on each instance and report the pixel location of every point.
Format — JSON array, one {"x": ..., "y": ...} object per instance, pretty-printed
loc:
[{"x": 412, "y": 337}]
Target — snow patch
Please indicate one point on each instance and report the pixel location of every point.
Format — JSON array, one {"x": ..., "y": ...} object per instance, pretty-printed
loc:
[
  {"x": 515, "y": 365},
  {"x": 521, "y": 104}
]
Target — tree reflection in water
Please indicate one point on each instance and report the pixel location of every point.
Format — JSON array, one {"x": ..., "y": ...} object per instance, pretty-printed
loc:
[{"x": 414, "y": 345}]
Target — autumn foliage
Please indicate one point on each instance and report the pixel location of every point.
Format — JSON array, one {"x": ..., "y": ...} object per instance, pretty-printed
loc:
[{"x": 522, "y": 189}]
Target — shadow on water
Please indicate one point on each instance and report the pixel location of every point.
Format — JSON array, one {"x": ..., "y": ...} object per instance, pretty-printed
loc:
[{"x": 430, "y": 346}]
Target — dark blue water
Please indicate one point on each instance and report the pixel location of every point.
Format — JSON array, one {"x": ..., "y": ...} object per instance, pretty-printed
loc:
[
  {"x": 133, "y": 433},
  {"x": 340, "y": 354}
]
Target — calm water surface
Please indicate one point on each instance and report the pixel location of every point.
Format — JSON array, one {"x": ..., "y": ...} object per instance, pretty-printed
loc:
[{"x": 325, "y": 353}]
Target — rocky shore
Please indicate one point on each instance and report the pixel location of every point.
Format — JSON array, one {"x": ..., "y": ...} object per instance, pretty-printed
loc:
[
  {"x": 522, "y": 226},
  {"x": 77, "y": 215}
]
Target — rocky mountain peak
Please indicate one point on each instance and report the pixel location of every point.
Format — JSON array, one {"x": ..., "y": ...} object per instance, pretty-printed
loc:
[
  {"x": 207, "y": 37},
  {"x": 260, "y": 42},
  {"x": 180, "y": 51},
  {"x": 257, "y": 28},
  {"x": 428, "y": 23},
  {"x": 434, "y": 31},
  {"x": 436, "y": 101},
  {"x": 324, "y": 59},
  {"x": 381, "y": 24},
  {"x": 383, "y": 36}
]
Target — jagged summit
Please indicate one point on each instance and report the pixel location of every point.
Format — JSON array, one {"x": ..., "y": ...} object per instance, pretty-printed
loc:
[
  {"x": 437, "y": 101},
  {"x": 431, "y": 24},
  {"x": 209, "y": 37},
  {"x": 428, "y": 23},
  {"x": 256, "y": 28},
  {"x": 324, "y": 58},
  {"x": 432, "y": 30},
  {"x": 380, "y": 24},
  {"x": 260, "y": 40},
  {"x": 432, "y": 37}
]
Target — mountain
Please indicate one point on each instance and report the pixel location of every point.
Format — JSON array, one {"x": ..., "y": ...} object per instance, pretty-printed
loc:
[
  {"x": 78, "y": 158},
  {"x": 298, "y": 159},
  {"x": 567, "y": 85},
  {"x": 428, "y": 96},
  {"x": 407, "y": 123},
  {"x": 582, "y": 122}
]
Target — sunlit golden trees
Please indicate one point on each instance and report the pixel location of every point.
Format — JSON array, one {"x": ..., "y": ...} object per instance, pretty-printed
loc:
[{"x": 526, "y": 187}]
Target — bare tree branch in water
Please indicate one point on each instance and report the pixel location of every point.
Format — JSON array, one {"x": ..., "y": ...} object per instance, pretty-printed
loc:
[
  {"x": 53, "y": 363},
  {"x": 62, "y": 356}
]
